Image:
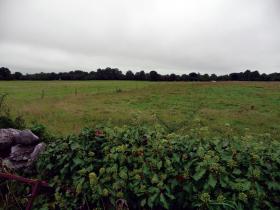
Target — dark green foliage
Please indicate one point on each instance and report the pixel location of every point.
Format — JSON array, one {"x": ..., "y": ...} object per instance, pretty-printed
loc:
[
  {"x": 5, "y": 74},
  {"x": 115, "y": 74},
  {"x": 150, "y": 168},
  {"x": 6, "y": 121},
  {"x": 154, "y": 76},
  {"x": 4, "y": 110},
  {"x": 42, "y": 132}
]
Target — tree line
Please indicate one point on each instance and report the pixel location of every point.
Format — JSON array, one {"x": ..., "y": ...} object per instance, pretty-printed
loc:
[{"x": 116, "y": 74}]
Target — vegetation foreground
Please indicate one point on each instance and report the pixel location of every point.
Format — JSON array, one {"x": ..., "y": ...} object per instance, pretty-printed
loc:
[
  {"x": 150, "y": 168},
  {"x": 67, "y": 106}
]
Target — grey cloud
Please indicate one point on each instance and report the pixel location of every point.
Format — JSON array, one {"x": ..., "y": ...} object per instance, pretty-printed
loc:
[{"x": 165, "y": 35}]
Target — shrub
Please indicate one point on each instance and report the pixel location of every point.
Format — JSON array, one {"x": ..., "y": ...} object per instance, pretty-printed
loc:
[{"x": 149, "y": 168}]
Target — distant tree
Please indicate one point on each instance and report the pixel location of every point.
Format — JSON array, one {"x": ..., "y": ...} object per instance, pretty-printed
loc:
[
  {"x": 246, "y": 75},
  {"x": 173, "y": 77},
  {"x": 99, "y": 74},
  {"x": 204, "y": 77},
  {"x": 64, "y": 76},
  {"x": 116, "y": 74},
  {"x": 213, "y": 77},
  {"x": 184, "y": 77},
  {"x": 274, "y": 77},
  {"x": 129, "y": 75},
  {"x": 52, "y": 76},
  {"x": 17, "y": 75},
  {"x": 236, "y": 76},
  {"x": 154, "y": 76},
  {"x": 140, "y": 75},
  {"x": 109, "y": 74},
  {"x": 193, "y": 76},
  {"x": 78, "y": 75},
  {"x": 5, "y": 73},
  {"x": 254, "y": 76},
  {"x": 223, "y": 78},
  {"x": 164, "y": 78},
  {"x": 92, "y": 75},
  {"x": 264, "y": 77}
]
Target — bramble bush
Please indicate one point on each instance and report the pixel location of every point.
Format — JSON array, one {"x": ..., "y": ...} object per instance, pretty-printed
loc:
[{"x": 148, "y": 168}]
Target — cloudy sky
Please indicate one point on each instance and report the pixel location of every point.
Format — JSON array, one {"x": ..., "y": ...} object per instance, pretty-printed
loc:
[{"x": 180, "y": 36}]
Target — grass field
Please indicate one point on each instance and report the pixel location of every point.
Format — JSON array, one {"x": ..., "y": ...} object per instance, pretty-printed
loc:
[{"x": 67, "y": 106}]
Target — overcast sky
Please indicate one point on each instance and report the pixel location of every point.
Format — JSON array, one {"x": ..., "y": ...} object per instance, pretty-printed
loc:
[{"x": 169, "y": 36}]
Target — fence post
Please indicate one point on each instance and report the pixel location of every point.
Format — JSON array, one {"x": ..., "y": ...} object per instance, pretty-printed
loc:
[{"x": 42, "y": 94}]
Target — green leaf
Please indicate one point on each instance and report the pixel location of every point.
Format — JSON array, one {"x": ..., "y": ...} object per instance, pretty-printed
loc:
[
  {"x": 143, "y": 202},
  {"x": 176, "y": 158},
  {"x": 163, "y": 201},
  {"x": 223, "y": 182},
  {"x": 145, "y": 169},
  {"x": 212, "y": 181},
  {"x": 159, "y": 165},
  {"x": 199, "y": 174},
  {"x": 78, "y": 161},
  {"x": 155, "y": 179},
  {"x": 169, "y": 195},
  {"x": 246, "y": 185},
  {"x": 79, "y": 186},
  {"x": 273, "y": 185},
  {"x": 237, "y": 171},
  {"x": 49, "y": 166},
  {"x": 123, "y": 174},
  {"x": 152, "y": 199}
]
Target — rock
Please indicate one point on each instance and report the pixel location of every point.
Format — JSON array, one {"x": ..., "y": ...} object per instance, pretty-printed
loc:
[
  {"x": 20, "y": 149},
  {"x": 20, "y": 152},
  {"x": 26, "y": 137},
  {"x": 39, "y": 148},
  {"x": 7, "y": 137},
  {"x": 23, "y": 157},
  {"x": 10, "y": 136}
]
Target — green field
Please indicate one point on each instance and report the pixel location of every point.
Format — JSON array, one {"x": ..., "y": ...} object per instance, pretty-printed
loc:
[{"x": 67, "y": 106}]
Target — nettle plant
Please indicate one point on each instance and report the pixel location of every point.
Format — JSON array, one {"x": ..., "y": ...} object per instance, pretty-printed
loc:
[{"x": 147, "y": 168}]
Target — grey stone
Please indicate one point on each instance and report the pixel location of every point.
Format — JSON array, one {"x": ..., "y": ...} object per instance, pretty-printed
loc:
[
  {"x": 24, "y": 157},
  {"x": 7, "y": 137},
  {"x": 19, "y": 149},
  {"x": 39, "y": 148},
  {"x": 26, "y": 137},
  {"x": 20, "y": 152}
]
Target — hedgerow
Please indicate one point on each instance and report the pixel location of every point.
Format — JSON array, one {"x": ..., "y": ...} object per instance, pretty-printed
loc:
[{"x": 148, "y": 168}]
